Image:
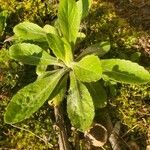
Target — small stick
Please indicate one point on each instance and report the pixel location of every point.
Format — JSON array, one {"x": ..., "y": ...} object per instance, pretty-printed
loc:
[
  {"x": 62, "y": 137},
  {"x": 20, "y": 128},
  {"x": 129, "y": 131}
]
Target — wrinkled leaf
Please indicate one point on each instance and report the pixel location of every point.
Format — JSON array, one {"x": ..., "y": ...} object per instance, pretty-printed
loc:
[
  {"x": 99, "y": 49},
  {"x": 83, "y": 7},
  {"x": 124, "y": 71},
  {"x": 97, "y": 93},
  {"x": 60, "y": 48},
  {"x": 30, "y": 31},
  {"x": 88, "y": 69},
  {"x": 80, "y": 106},
  {"x": 29, "y": 99},
  {"x": 59, "y": 93},
  {"x": 69, "y": 20},
  {"x": 31, "y": 54}
]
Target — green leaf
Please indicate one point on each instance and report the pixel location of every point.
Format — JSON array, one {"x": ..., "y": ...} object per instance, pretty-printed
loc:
[
  {"x": 99, "y": 49},
  {"x": 50, "y": 29},
  {"x": 60, "y": 48},
  {"x": 124, "y": 71},
  {"x": 3, "y": 16},
  {"x": 69, "y": 20},
  {"x": 30, "y": 31},
  {"x": 88, "y": 69},
  {"x": 40, "y": 69},
  {"x": 29, "y": 99},
  {"x": 59, "y": 92},
  {"x": 68, "y": 53},
  {"x": 83, "y": 7},
  {"x": 31, "y": 54},
  {"x": 97, "y": 93},
  {"x": 80, "y": 106}
]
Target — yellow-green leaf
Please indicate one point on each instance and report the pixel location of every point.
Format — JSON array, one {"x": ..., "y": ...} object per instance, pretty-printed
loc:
[
  {"x": 88, "y": 69},
  {"x": 31, "y": 54},
  {"x": 80, "y": 106},
  {"x": 124, "y": 71},
  {"x": 30, "y": 31},
  {"x": 29, "y": 99},
  {"x": 60, "y": 48},
  {"x": 97, "y": 93},
  {"x": 99, "y": 49},
  {"x": 83, "y": 7},
  {"x": 69, "y": 20}
]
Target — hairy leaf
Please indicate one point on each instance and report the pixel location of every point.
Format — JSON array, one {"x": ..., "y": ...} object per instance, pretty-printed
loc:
[
  {"x": 83, "y": 7},
  {"x": 69, "y": 20},
  {"x": 59, "y": 92},
  {"x": 31, "y": 54},
  {"x": 88, "y": 69},
  {"x": 29, "y": 99},
  {"x": 97, "y": 93},
  {"x": 80, "y": 107},
  {"x": 124, "y": 71},
  {"x": 99, "y": 49},
  {"x": 50, "y": 29},
  {"x": 40, "y": 69},
  {"x": 30, "y": 31},
  {"x": 60, "y": 48}
]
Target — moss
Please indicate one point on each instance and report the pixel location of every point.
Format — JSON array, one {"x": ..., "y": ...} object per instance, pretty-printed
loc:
[
  {"x": 38, "y": 11},
  {"x": 28, "y": 9},
  {"x": 133, "y": 106},
  {"x": 9, "y": 71},
  {"x": 34, "y": 133}
]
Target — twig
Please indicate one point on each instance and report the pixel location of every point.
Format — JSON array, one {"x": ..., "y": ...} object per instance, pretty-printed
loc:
[
  {"x": 20, "y": 128},
  {"x": 114, "y": 139},
  {"x": 76, "y": 140},
  {"x": 103, "y": 148},
  {"x": 148, "y": 139},
  {"x": 129, "y": 131},
  {"x": 62, "y": 137}
]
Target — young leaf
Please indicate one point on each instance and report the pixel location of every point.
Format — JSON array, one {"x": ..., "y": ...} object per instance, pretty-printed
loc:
[
  {"x": 69, "y": 20},
  {"x": 99, "y": 49},
  {"x": 83, "y": 7},
  {"x": 30, "y": 31},
  {"x": 88, "y": 69},
  {"x": 60, "y": 48},
  {"x": 31, "y": 54},
  {"x": 97, "y": 93},
  {"x": 50, "y": 29},
  {"x": 80, "y": 107},
  {"x": 29, "y": 99},
  {"x": 68, "y": 52},
  {"x": 40, "y": 69},
  {"x": 81, "y": 35},
  {"x": 125, "y": 71}
]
